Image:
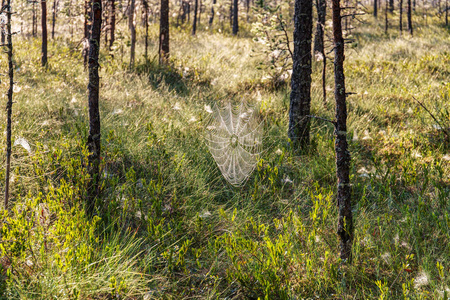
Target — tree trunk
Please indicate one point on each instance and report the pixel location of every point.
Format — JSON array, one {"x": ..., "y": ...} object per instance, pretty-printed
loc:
[
  {"x": 132, "y": 27},
  {"x": 211, "y": 19},
  {"x": 375, "y": 8},
  {"x": 231, "y": 13},
  {"x": 34, "y": 31},
  {"x": 446, "y": 12},
  {"x": 400, "y": 7},
  {"x": 194, "y": 25},
  {"x": 319, "y": 42},
  {"x": 44, "y": 33},
  {"x": 145, "y": 7},
  {"x": 10, "y": 102},
  {"x": 164, "y": 32},
  {"x": 345, "y": 221},
  {"x": 2, "y": 32},
  {"x": 391, "y": 6},
  {"x": 235, "y": 17},
  {"x": 112, "y": 23},
  {"x": 410, "y": 28},
  {"x": 93, "y": 142},
  {"x": 55, "y": 7},
  {"x": 300, "y": 99},
  {"x": 386, "y": 24}
]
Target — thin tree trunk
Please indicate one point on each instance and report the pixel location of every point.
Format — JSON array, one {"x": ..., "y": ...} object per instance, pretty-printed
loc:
[
  {"x": 55, "y": 7},
  {"x": 386, "y": 25},
  {"x": 345, "y": 221},
  {"x": 231, "y": 13},
  {"x": 391, "y": 6},
  {"x": 34, "y": 31},
  {"x": 375, "y": 8},
  {"x": 446, "y": 12},
  {"x": 164, "y": 32},
  {"x": 10, "y": 102},
  {"x": 400, "y": 7},
  {"x": 211, "y": 19},
  {"x": 319, "y": 42},
  {"x": 44, "y": 33},
  {"x": 132, "y": 27},
  {"x": 235, "y": 17},
  {"x": 194, "y": 25},
  {"x": 300, "y": 98},
  {"x": 112, "y": 23},
  {"x": 145, "y": 6},
  {"x": 93, "y": 142},
  {"x": 410, "y": 28}
]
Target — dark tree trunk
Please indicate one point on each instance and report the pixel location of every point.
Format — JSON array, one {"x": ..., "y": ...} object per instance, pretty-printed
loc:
[
  {"x": 44, "y": 33},
  {"x": 112, "y": 23},
  {"x": 10, "y": 102},
  {"x": 414, "y": 5},
  {"x": 386, "y": 24},
  {"x": 164, "y": 32},
  {"x": 211, "y": 19},
  {"x": 133, "y": 32},
  {"x": 375, "y": 8},
  {"x": 145, "y": 7},
  {"x": 400, "y": 7},
  {"x": 446, "y": 12},
  {"x": 345, "y": 221},
  {"x": 55, "y": 7},
  {"x": 235, "y": 17},
  {"x": 300, "y": 99},
  {"x": 231, "y": 13},
  {"x": 410, "y": 28},
  {"x": 391, "y": 6},
  {"x": 194, "y": 25},
  {"x": 319, "y": 42},
  {"x": 93, "y": 142}
]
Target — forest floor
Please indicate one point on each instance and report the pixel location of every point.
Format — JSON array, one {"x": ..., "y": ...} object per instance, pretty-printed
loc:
[{"x": 170, "y": 227}]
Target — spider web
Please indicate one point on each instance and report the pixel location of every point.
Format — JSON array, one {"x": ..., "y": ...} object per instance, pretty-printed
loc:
[{"x": 234, "y": 138}]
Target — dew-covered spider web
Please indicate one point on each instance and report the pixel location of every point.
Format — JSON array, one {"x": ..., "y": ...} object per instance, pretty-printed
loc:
[{"x": 234, "y": 137}]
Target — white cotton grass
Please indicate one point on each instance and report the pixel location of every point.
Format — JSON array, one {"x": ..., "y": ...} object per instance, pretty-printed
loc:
[
  {"x": 234, "y": 138},
  {"x": 420, "y": 280},
  {"x": 24, "y": 143}
]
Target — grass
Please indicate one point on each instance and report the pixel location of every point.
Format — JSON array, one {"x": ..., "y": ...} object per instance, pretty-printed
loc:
[{"x": 168, "y": 224}]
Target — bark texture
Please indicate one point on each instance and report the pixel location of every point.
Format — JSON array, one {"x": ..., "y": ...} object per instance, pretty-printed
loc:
[
  {"x": 44, "y": 33},
  {"x": 345, "y": 221},
  {"x": 235, "y": 17},
  {"x": 164, "y": 32},
  {"x": 93, "y": 142},
  {"x": 300, "y": 98},
  {"x": 9, "y": 103}
]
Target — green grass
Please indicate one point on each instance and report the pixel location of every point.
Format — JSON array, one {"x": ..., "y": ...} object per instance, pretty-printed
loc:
[{"x": 168, "y": 224}]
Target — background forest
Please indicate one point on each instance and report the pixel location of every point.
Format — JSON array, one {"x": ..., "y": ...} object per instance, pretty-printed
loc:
[{"x": 163, "y": 222}]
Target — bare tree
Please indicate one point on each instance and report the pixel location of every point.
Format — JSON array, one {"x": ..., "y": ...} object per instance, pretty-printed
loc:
[
  {"x": 235, "y": 17},
  {"x": 93, "y": 142},
  {"x": 300, "y": 99},
  {"x": 132, "y": 27},
  {"x": 400, "y": 7},
  {"x": 164, "y": 32},
  {"x": 44, "y": 32},
  {"x": 345, "y": 221},
  {"x": 386, "y": 24},
  {"x": 211, "y": 18},
  {"x": 9, "y": 104},
  {"x": 446, "y": 12}
]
